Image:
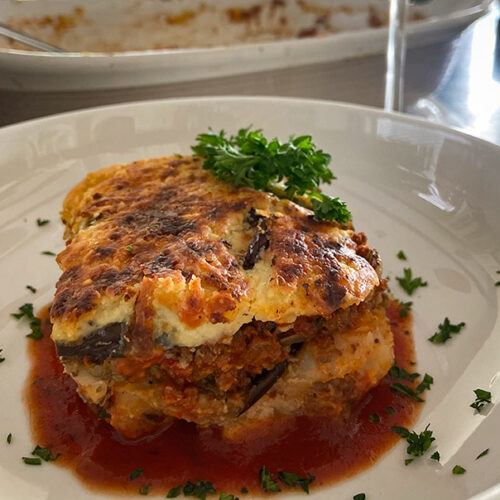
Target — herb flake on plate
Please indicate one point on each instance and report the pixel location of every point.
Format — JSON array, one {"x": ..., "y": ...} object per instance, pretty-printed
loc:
[
  {"x": 445, "y": 331},
  {"x": 418, "y": 444},
  {"x": 135, "y": 474},
  {"x": 482, "y": 399},
  {"x": 26, "y": 311},
  {"x": 267, "y": 482},
  {"x": 174, "y": 492},
  {"x": 408, "y": 283},
  {"x": 45, "y": 454},
  {"x": 293, "y": 480}
]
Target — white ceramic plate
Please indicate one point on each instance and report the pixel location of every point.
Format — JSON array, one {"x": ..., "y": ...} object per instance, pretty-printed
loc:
[
  {"x": 25, "y": 70},
  {"x": 427, "y": 190}
]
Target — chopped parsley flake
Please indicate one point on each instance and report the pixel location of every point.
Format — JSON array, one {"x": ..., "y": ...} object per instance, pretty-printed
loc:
[
  {"x": 497, "y": 283},
  {"x": 425, "y": 385},
  {"x": 406, "y": 390},
  {"x": 390, "y": 410},
  {"x": 446, "y": 329},
  {"x": 145, "y": 490},
  {"x": 398, "y": 372},
  {"x": 482, "y": 399},
  {"x": 32, "y": 289},
  {"x": 244, "y": 490},
  {"x": 436, "y": 456},
  {"x": 267, "y": 482},
  {"x": 408, "y": 461},
  {"x": 129, "y": 248},
  {"x": 42, "y": 222},
  {"x": 418, "y": 444},
  {"x": 225, "y": 496},
  {"x": 32, "y": 461},
  {"x": 45, "y": 454},
  {"x": 136, "y": 473},
  {"x": 200, "y": 489},
  {"x": 292, "y": 480},
  {"x": 48, "y": 252},
  {"x": 9, "y": 438},
  {"x": 483, "y": 453},
  {"x": 404, "y": 309},
  {"x": 359, "y": 496},
  {"x": 374, "y": 417},
  {"x": 408, "y": 283},
  {"x": 458, "y": 470},
  {"x": 174, "y": 492},
  {"x": 401, "y": 255},
  {"x": 26, "y": 311}
]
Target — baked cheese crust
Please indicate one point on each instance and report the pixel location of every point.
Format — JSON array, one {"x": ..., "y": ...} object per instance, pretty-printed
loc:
[{"x": 179, "y": 258}]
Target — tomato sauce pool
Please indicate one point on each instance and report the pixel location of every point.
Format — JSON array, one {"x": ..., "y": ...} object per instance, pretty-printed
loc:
[{"x": 328, "y": 449}]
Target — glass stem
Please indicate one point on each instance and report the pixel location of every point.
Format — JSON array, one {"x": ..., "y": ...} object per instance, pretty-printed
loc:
[{"x": 396, "y": 55}]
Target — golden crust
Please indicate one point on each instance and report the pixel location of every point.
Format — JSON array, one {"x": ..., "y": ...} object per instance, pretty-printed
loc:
[{"x": 166, "y": 241}]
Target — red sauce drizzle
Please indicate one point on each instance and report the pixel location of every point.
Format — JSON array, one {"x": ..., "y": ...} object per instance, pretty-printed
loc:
[{"x": 330, "y": 450}]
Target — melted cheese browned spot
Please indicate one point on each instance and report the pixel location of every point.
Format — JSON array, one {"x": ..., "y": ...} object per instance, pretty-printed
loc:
[{"x": 159, "y": 245}]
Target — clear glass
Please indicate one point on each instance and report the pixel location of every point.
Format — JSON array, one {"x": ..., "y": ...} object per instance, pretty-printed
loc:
[{"x": 396, "y": 55}]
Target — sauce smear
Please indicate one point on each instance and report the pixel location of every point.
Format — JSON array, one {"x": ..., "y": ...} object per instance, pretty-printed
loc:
[{"x": 329, "y": 450}]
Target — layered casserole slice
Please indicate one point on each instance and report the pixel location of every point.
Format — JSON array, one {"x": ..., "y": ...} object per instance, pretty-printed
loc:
[{"x": 183, "y": 297}]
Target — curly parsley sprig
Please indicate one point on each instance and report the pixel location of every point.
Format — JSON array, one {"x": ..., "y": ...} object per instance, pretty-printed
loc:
[{"x": 292, "y": 170}]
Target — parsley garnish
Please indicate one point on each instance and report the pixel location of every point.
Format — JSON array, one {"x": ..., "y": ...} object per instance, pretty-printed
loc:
[
  {"x": 374, "y": 417},
  {"x": 418, "y": 444},
  {"x": 483, "y": 453},
  {"x": 32, "y": 461},
  {"x": 129, "y": 248},
  {"x": 404, "y": 309},
  {"x": 42, "y": 222},
  {"x": 26, "y": 311},
  {"x": 9, "y": 438},
  {"x": 390, "y": 410},
  {"x": 200, "y": 489},
  {"x": 398, "y": 372},
  {"x": 408, "y": 391},
  {"x": 436, "y": 456},
  {"x": 497, "y": 283},
  {"x": 482, "y": 399},
  {"x": 408, "y": 283},
  {"x": 401, "y": 255},
  {"x": 267, "y": 482},
  {"x": 145, "y": 490},
  {"x": 244, "y": 490},
  {"x": 359, "y": 496},
  {"x": 45, "y": 454},
  {"x": 174, "y": 492},
  {"x": 458, "y": 470},
  {"x": 32, "y": 289},
  {"x": 48, "y": 252},
  {"x": 226, "y": 496},
  {"x": 292, "y": 170},
  {"x": 136, "y": 473},
  {"x": 446, "y": 329},
  {"x": 292, "y": 480},
  {"x": 425, "y": 385}
]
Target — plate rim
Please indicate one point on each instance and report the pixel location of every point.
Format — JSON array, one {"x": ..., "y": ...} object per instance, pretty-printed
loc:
[{"x": 360, "y": 108}]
